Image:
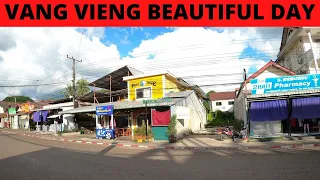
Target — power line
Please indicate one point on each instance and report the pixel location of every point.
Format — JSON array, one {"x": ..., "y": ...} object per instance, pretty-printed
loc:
[{"x": 28, "y": 85}]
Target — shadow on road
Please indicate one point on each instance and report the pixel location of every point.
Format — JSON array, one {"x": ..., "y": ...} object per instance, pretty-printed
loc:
[{"x": 59, "y": 163}]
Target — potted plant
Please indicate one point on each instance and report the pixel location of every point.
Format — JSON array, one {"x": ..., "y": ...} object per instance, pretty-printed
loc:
[
  {"x": 137, "y": 134},
  {"x": 150, "y": 134},
  {"x": 172, "y": 130}
]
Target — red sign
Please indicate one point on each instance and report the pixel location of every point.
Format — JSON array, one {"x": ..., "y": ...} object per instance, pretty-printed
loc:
[{"x": 159, "y": 13}]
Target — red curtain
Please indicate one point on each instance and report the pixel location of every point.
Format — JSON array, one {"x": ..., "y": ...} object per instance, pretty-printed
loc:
[{"x": 160, "y": 118}]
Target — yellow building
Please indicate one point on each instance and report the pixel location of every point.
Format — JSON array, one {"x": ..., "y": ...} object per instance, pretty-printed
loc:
[{"x": 153, "y": 86}]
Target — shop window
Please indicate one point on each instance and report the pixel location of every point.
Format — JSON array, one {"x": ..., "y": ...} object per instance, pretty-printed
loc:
[
  {"x": 218, "y": 103},
  {"x": 142, "y": 117},
  {"x": 231, "y": 102},
  {"x": 181, "y": 121},
  {"x": 143, "y": 93}
]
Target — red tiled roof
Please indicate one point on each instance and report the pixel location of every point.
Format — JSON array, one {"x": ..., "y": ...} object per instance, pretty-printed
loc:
[
  {"x": 222, "y": 96},
  {"x": 265, "y": 67}
]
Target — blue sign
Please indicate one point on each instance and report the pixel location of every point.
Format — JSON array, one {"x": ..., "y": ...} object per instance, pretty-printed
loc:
[
  {"x": 285, "y": 83},
  {"x": 105, "y": 133},
  {"x": 104, "y": 110}
]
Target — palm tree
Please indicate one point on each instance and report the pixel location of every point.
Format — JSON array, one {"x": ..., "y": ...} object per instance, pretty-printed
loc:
[{"x": 82, "y": 87}]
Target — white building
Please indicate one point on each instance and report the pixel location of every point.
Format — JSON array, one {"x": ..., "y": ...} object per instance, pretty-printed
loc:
[
  {"x": 222, "y": 101},
  {"x": 296, "y": 52},
  {"x": 271, "y": 69}
]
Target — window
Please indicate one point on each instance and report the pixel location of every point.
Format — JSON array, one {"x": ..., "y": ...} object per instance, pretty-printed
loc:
[
  {"x": 218, "y": 103},
  {"x": 143, "y": 93},
  {"x": 231, "y": 102}
]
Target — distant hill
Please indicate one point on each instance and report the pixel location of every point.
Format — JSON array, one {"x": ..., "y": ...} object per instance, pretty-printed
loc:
[{"x": 18, "y": 99}]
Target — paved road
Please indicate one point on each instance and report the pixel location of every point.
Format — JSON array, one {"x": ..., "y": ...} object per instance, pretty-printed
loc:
[{"x": 35, "y": 159}]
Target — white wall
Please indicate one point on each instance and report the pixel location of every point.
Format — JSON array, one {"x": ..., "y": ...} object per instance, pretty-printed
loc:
[
  {"x": 198, "y": 114},
  {"x": 223, "y": 107},
  {"x": 68, "y": 120},
  {"x": 184, "y": 124},
  {"x": 56, "y": 106},
  {"x": 14, "y": 122},
  {"x": 269, "y": 73},
  {"x": 298, "y": 56}
]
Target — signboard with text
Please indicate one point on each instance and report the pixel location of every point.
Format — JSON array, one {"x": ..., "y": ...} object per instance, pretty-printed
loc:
[
  {"x": 285, "y": 83},
  {"x": 104, "y": 110},
  {"x": 105, "y": 133}
]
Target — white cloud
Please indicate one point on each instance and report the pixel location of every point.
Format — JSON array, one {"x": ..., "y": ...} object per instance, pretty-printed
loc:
[{"x": 40, "y": 54}]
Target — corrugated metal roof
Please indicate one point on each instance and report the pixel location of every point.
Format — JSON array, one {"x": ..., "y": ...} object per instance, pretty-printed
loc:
[
  {"x": 288, "y": 93},
  {"x": 181, "y": 94},
  {"x": 120, "y": 105}
]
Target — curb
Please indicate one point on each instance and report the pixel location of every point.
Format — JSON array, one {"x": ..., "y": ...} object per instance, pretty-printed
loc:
[{"x": 291, "y": 146}]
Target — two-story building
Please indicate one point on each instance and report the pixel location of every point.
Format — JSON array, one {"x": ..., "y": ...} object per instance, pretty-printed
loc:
[
  {"x": 300, "y": 49},
  {"x": 222, "y": 101},
  {"x": 136, "y": 96}
]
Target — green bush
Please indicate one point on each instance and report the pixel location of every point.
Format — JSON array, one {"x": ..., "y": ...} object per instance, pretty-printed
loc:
[
  {"x": 172, "y": 130},
  {"x": 220, "y": 118}
]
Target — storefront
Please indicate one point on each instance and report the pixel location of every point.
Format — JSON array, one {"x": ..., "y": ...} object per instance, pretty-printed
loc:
[{"x": 288, "y": 105}]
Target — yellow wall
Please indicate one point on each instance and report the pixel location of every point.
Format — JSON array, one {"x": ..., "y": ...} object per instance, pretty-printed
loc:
[
  {"x": 155, "y": 82},
  {"x": 171, "y": 86}
]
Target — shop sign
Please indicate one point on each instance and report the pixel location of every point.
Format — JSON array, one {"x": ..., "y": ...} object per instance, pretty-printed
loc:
[
  {"x": 104, "y": 110},
  {"x": 144, "y": 83},
  {"x": 182, "y": 113},
  {"x": 105, "y": 133},
  {"x": 157, "y": 101},
  {"x": 285, "y": 83},
  {"x": 12, "y": 111}
]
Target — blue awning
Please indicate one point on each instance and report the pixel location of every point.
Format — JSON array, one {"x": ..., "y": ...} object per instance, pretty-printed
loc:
[
  {"x": 306, "y": 108},
  {"x": 274, "y": 110}
]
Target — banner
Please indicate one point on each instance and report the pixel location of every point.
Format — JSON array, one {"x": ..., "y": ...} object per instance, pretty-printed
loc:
[
  {"x": 105, "y": 133},
  {"x": 159, "y": 13},
  {"x": 160, "y": 118},
  {"x": 104, "y": 110}
]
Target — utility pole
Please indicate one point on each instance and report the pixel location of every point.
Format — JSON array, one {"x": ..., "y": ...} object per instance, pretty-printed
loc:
[{"x": 74, "y": 78}]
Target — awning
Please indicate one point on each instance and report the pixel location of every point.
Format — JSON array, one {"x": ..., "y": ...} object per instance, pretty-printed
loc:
[
  {"x": 268, "y": 110},
  {"x": 53, "y": 116},
  {"x": 306, "y": 108},
  {"x": 120, "y": 105}
]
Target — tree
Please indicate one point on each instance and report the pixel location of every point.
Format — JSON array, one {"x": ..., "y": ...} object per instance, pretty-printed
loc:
[
  {"x": 18, "y": 99},
  {"x": 82, "y": 87},
  {"x": 206, "y": 103}
]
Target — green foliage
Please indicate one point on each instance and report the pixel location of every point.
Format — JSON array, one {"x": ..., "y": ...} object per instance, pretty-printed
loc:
[
  {"x": 220, "y": 118},
  {"x": 18, "y": 99},
  {"x": 206, "y": 103},
  {"x": 172, "y": 130},
  {"x": 140, "y": 131},
  {"x": 82, "y": 87}
]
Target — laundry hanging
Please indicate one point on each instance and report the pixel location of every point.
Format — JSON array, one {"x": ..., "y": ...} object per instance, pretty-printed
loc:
[
  {"x": 160, "y": 118},
  {"x": 36, "y": 117},
  {"x": 44, "y": 115}
]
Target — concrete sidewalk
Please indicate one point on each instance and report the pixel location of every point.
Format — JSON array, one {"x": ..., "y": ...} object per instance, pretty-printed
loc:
[{"x": 201, "y": 142}]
